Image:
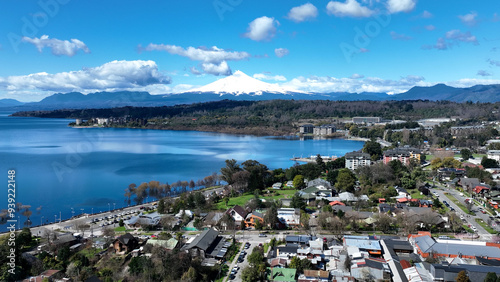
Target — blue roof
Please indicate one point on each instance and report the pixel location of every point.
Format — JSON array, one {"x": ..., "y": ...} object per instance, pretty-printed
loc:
[{"x": 362, "y": 242}]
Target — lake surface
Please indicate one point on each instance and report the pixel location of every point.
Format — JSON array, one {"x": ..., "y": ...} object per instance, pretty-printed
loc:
[{"x": 59, "y": 168}]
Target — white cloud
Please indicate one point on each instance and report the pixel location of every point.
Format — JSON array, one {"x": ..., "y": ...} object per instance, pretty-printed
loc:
[
  {"x": 281, "y": 52},
  {"x": 397, "y": 36},
  {"x": 263, "y": 76},
  {"x": 355, "y": 84},
  {"x": 194, "y": 70},
  {"x": 212, "y": 60},
  {"x": 356, "y": 76},
  {"x": 207, "y": 55},
  {"x": 112, "y": 76},
  {"x": 452, "y": 38},
  {"x": 483, "y": 73},
  {"x": 426, "y": 15},
  {"x": 430, "y": 27},
  {"x": 351, "y": 8},
  {"x": 217, "y": 69},
  {"x": 303, "y": 13},
  {"x": 396, "y": 6},
  {"x": 469, "y": 19},
  {"x": 58, "y": 47},
  {"x": 262, "y": 29}
]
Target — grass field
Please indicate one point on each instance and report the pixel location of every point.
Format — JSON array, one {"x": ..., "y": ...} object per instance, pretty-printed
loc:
[
  {"x": 485, "y": 226},
  {"x": 416, "y": 195},
  {"x": 242, "y": 200}
]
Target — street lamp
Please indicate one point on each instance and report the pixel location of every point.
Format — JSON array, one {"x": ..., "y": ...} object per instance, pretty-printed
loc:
[
  {"x": 114, "y": 206},
  {"x": 92, "y": 211},
  {"x": 109, "y": 207},
  {"x": 72, "y": 213},
  {"x": 55, "y": 218}
]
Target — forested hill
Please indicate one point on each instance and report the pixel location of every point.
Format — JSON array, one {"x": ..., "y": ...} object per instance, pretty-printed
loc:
[{"x": 275, "y": 116}]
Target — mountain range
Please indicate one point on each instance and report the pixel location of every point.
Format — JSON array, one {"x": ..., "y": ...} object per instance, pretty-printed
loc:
[{"x": 240, "y": 86}]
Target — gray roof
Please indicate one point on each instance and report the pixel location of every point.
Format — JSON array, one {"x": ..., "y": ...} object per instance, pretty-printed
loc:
[
  {"x": 204, "y": 240},
  {"x": 427, "y": 244}
]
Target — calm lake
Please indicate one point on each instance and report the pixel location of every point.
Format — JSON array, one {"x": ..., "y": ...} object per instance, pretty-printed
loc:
[{"x": 59, "y": 168}]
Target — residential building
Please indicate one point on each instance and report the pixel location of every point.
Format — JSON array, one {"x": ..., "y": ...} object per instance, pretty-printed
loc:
[
  {"x": 362, "y": 120},
  {"x": 404, "y": 155},
  {"x": 466, "y": 130},
  {"x": 125, "y": 243},
  {"x": 277, "y": 185},
  {"x": 370, "y": 269},
  {"x": 289, "y": 216},
  {"x": 299, "y": 240},
  {"x": 208, "y": 245},
  {"x": 252, "y": 218},
  {"x": 306, "y": 129},
  {"x": 281, "y": 274},
  {"x": 494, "y": 154},
  {"x": 354, "y": 160},
  {"x": 314, "y": 276},
  {"x": 324, "y": 130},
  {"x": 468, "y": 184},
  {"x": 238, "y": 214}
]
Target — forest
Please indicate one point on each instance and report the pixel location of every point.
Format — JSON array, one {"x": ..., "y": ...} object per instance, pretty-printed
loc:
[{"x": 274, "y": 117}]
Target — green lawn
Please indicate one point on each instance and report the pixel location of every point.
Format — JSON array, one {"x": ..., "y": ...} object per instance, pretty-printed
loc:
[
  {"x": 478, "y": 156},
  {"x": 485, "y": 226},
  {"x": 467, "y": 229},
  {"x": 416, "y": 195},
  {"x": 429, "y": 157},
  {"x": 242, "y": 200}
]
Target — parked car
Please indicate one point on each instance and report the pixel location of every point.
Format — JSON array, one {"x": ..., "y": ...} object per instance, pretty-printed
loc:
[{"x": 262, "y": 235}]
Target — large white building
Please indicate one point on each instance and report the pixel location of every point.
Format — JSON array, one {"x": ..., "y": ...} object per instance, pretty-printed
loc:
[
  {"x": 289, "y": 216},
  {"x": 353, "y": 160},
  {"x": 494, "y": 154}
]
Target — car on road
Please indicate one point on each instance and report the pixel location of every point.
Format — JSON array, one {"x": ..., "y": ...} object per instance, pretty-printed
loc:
[
  {"x": 262, "y": 235},
  {"x": 435, "y": 194}
]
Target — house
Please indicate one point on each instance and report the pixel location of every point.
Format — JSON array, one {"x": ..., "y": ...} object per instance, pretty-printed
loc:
[
  {"x": 306, "y": 128},
  {"x": 353, "y": 160},
  {"x": 277, "y": 185},
  {"x": 289, "y": 184},
  {"x": 238, "y": 214},
  {"x": 125, "y": 243},
  {"x": 64, "y": 240},
  {"x": 494, "y": 154},
  {"x": 299, "y": 240},
  {"x": 208, "y": 245},
  {"x": 279, "y": 262},
  {"x": 446, "y": 173},
  {"x": 289, "y": 216},
  {"x": 479, "y": 190},
  {"x": 370, "y": 269},
  {"x": 404, "y": 155},
  {"x": 286, "y": 251},
  {"x": 281, "y": 274},
  {"x": 251, "y": 219},
  {"x": 212, "y": 219},
  {"x": 368, "y": 244},
  {"x": 181, "y": 214},
  {"x": 469, "y": 183},
  {"x": 313, "y": 255},
  {"x": 314, "y": 276},
  {"x": 336, "y": 203},
  {"x": 326, "y": 129}
]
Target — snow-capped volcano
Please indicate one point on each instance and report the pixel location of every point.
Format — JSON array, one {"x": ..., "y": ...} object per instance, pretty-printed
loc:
[{"x": 240, "y": 83}]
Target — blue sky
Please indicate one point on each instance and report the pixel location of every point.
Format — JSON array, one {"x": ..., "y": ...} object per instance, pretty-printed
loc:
[{"x": 51, "y": 46}]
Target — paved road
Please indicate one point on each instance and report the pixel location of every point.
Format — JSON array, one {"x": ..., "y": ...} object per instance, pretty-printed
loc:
[{"x": 470, "y": 219}]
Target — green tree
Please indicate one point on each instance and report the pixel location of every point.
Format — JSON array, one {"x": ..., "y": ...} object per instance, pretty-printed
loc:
[
  {"x": 161, "y": 206},
  {"x": 24, "y": 237},
  {"x": 345, "y": 180},
  {"x": 228, "y": 171},
  {"x": 466, "y": 154},
  {"x": 298, "y": 182},
  {"x": 489, "y": 163},
  {"x": 311, "y": 170},
  {"x": 258, "y": 225},
  {"x": 297, "y": 202},
  {"x": 250, "y": 274},
  {"x": 320, "y": 162},
  {"x": 331, "y": 176},
  {"x": 259, "y": 174},
  {"x": 462, "y": 277},
  {"x": 256, "y": 257},
  {"x": 226, "y": 200},
  {"x": 121, "y": 223},
  {"x": 373, "y": 148},
  {"x": 491, "y": 277}
]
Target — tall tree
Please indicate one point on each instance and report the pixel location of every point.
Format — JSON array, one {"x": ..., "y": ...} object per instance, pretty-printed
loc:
[
  {"x": 228, "y": 171},
  {"x": 297, "y": 202},
  {"x": 462, "y": 277},
  {"x": 466, "y": 154},
  {"x": 298, "y": 182},
  {"x": 345, "y": 180},
  {"x": 373, "y": 148}
]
